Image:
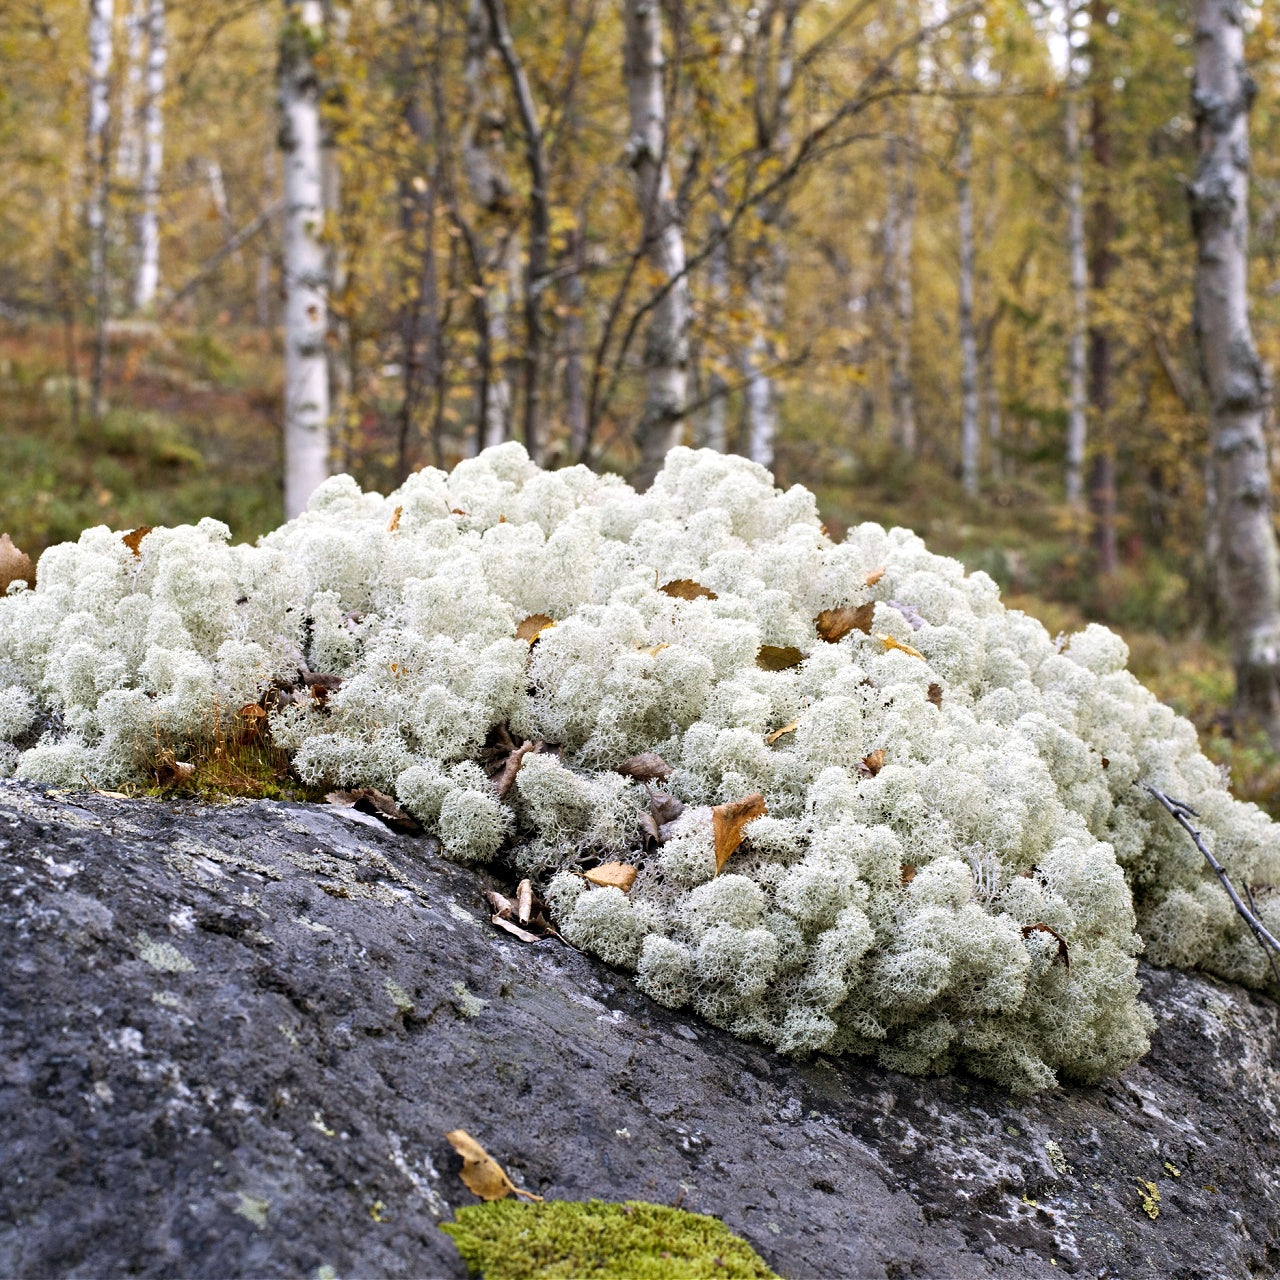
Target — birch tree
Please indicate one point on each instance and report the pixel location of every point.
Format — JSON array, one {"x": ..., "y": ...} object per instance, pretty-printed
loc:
[
  {"x": 666, "y": 352},
  {"x": 970, "y": 429},
  {"x": 899, "y": 238},
  {"x": 1248, "y": 565},
  {"x": 1077, "y": 423},
  {"x": 306, "y": 377},
  {"x": 152, "y": 159},
  {"x": 101, "y": 17}
]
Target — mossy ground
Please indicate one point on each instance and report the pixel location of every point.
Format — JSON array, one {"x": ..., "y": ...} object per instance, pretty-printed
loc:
[{"x": 570, "y": 1240}]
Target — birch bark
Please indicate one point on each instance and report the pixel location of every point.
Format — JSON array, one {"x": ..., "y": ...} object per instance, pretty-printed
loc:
[
  {"x": 666, "y": 352},
  {"x": 970, "y": 429},
  {"x": 1077, "y": 419},
  {"x": 101, "y": 17},
  {"x": 148, "y": 278},
  {"x": 1247, "y": 565},
  {"x": 306, "y": 381}
]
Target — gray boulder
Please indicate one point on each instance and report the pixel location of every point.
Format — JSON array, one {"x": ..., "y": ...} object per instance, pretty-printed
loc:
[{"x": 233, "y": 1037}]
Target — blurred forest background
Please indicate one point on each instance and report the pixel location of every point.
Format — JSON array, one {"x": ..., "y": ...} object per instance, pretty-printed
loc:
[{"x": 934, "y": 262}]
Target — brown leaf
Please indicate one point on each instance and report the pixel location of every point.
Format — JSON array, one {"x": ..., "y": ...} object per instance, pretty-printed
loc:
[
  {"x": 774, "y": 657},
  {"x": 615, "y": 875},
  {"x": 15, "y": 565},
  {"x": 650, "y": 830},
  {"x": 687, "y": 589},
  {"x": 890, "y": 643},
  {"x": 665, "y": 808},
  {"x": 169, "y": 770},
  {"x": 835, "y": 624},
  {"x": 506, "y": 778},
  {"x": 771, "y": 738},
  {"x": 935, "y": 694},
  {"x": 321, "y": 685},
  {"x": 728, "y": 821},
  {"x": 533, "y": 626},
  {"x": 481, "y": 1173},
  {"x": 394, "y": 523},
  {"x": 644, "y": 767},
  {"x": 133, "y": 539},
  {"x": 379, "y": 804},
  {"x": 874, "y": 576},
  {"x": 1063, "y": 953},
  {"x": 502, "y": 906},
  {"x": 1106, "y": 764},
  {"x": 871, "y": 764},
  {"x": 908, "y": 872},
  {"x": 514, "y": 929},
  {"x": 524, "y": 901}
]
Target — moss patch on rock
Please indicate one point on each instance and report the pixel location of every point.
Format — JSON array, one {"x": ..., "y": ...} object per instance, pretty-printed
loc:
[{"x": 508, "y": 1240}]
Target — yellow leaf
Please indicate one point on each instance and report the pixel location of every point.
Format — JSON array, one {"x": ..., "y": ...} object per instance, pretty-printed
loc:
[
  {"x": 835, "y": 624},
  {"x": 771, "y": 738},
  {"x": 654, "y": 649},
  {"x": 394, "y": 523},
  {"x": 890, "y": 643},
  {"x": 687, "y": 589},
  {"x": 481, "y": 1173},
  {"x": 613, "y": 875},
  {"x": 728, "y": 821},
  {"x": 533, "y": 626},
  {"x": 874, "y": 576}
]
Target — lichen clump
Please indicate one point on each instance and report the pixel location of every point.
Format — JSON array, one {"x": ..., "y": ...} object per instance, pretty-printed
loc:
[
  {"x": 507, "y": 1240},
  {"x": 967, "y": 898}
]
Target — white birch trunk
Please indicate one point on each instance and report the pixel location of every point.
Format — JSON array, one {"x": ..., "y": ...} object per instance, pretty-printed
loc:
[
  {"x": 970, "y": 429},
  {"x": 1248, "y": 565},
  {"x": 148, "y": 278},
  {"x": 1078, "y": 396},
  {"x": 306, "y": 380},
  {"x": 899, "y": 245},
  {"x": 101, "y": 18},
  {"x": 713, "y": 429},
  {"x": 129, "y": 150},
  {"x": 666, "y": 353}
]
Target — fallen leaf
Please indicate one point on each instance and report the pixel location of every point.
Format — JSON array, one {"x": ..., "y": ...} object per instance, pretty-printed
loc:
[
  {"x": 874, "y": 576},
  {"x": 1063, "y": 953},
  {"x": 481, "y": 1173},
  {"x": 133, "y": 539},
  {"x": 613, "y": 875},
  {"x": 890, "y": 643},
  {"x": 835, "y": 624},
  {"x": 524, "y": 901},
  {"x": 1106, "y": 764},
  {"x": 935, "y": 694},
  {"x": 506, "y": 778},
  {"x": 650, "y": 830},
  {"x": 908, "y": 872},
  {"x": 908, "y": 611},
  {"x": 514, "y": 929},
  {"x": 775, "y": 657},
  {"x": 771, "y": 738},
  {"x": 654, "y": 649},
  {"x": 533, "y": 626},
  {"x": 15, "y": 565},
  {"x": 644, "y": 767},
  {"x": 687, "y": 589},
  {"x": 728, "y": 821},
  {"x": 502, "y": 905},
  {"x": 380, "y": 805},
  {"x": 394, "y": 523},
  {"x": 871, "y": 764},
  {"x": 321, "y": 685},
  {"x": 169, "y": 770},
  {"x": 665, "y": 808},
  {"x": 457, "y": 511}
]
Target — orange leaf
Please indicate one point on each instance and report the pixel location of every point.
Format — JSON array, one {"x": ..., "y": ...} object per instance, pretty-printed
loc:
[
  {"x": 133, "y": 539},
  {"x": 15, "y": 565},
  {"x": 874, "y": 576},
  {"x": 481, "y": 1173},
  {"x": 871, "y": 764},
  {"x": 728, "y": 821},
  {"x": 533, "y": 626},
  {"x": 394, "y": 523},
  {"x": 890, "y": 643},
  {"x": 613, "y": 875},
  {"x": 771, "y": 738},
  {"x": 775, "y": 657},
  {"x": 687, "y": 589},
  {"x": 835, "y": 624}
]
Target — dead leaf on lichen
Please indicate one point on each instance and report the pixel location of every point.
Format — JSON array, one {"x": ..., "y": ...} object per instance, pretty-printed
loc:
[
  {"x": 890, "y": 643},
  {"x": 779, "y": 657},
  {"x": 481, "y": 1173},
  {"x": 379, "y": 804},
  {"x": 687, "y": 589},
  {"x": 644, "y": 767},
  {"x": 728, "y": 821},
  {"x": 654, "y": 649},
  {"x": 15, "y": 565},
  {"x": 874, "y": 576},
  {"x": 133, "y": 539},
  {"x": 394, "y": 523},
  {"x": 533, "y": 626},
  {"x": 935, "y": 694},
  {"x": 511, "y": 766},
  {"x": 1063, "y": 953},
  {"x": 771, "y": 738},
  {"x": 613, "y": 875},
  {"x": 834, "y": 624},
  {"x": 908, "y": 872},
  {"x": 872, "y": 763}
]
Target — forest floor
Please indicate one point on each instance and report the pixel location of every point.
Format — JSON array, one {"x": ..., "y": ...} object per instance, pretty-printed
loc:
[{"x": 192, "y": 430}]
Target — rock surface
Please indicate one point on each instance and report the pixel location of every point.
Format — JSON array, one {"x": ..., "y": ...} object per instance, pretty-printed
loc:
[{"x": 232, "y": 1039}]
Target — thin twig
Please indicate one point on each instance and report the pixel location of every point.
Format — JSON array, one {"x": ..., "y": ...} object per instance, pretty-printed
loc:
[{"x": 1182, "y": 813}]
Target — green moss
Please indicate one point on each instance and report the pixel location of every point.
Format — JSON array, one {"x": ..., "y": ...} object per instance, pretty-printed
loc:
[{"x": 510, "y": 1240}]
